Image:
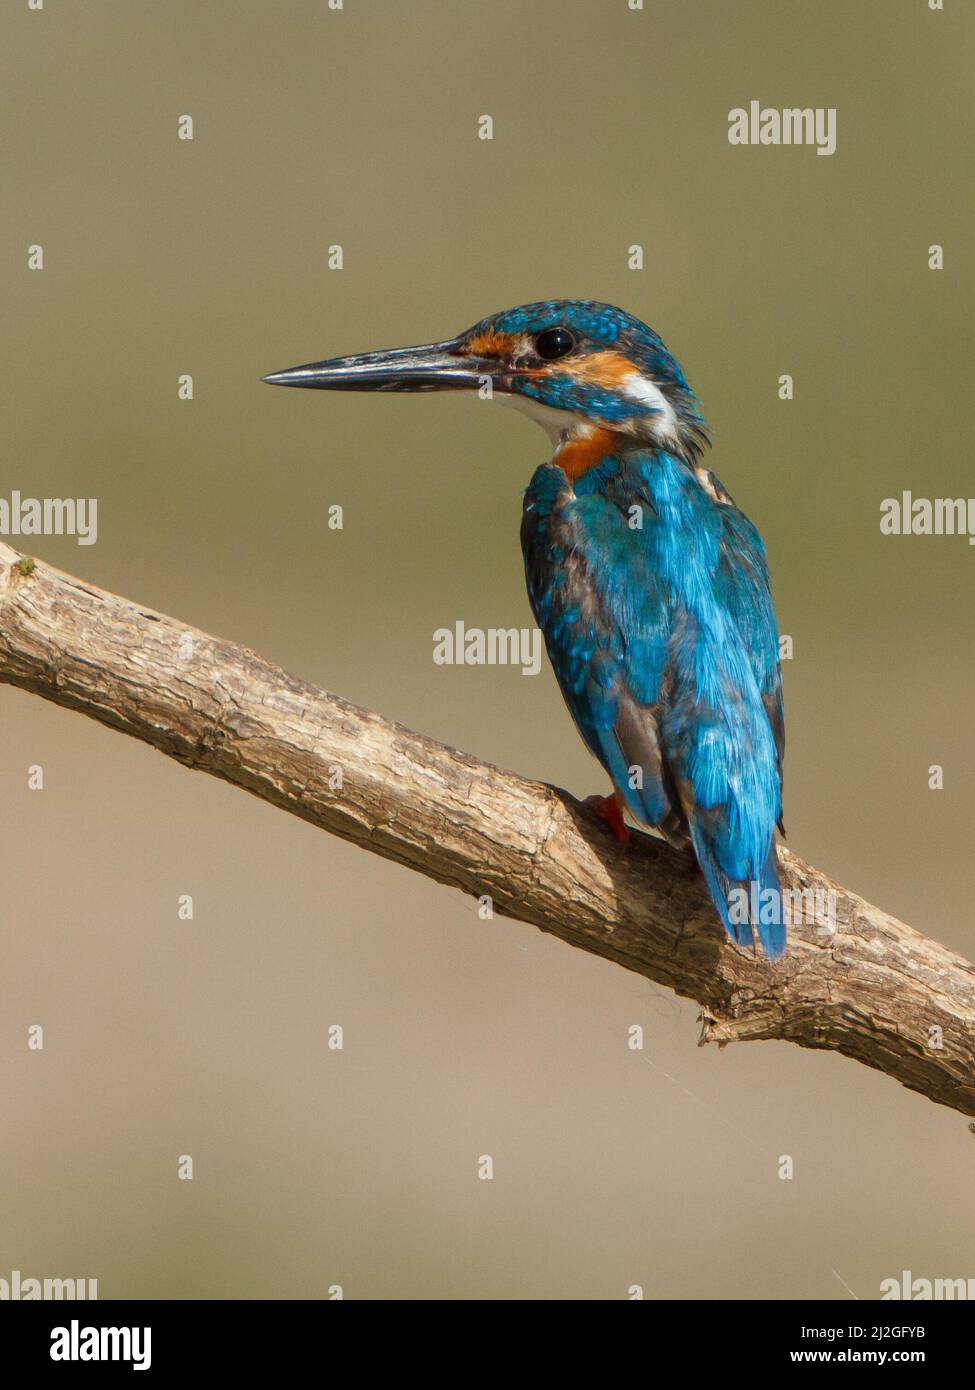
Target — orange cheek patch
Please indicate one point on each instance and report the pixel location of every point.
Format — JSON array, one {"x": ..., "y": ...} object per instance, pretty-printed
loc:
[
  {"x": 491, "y": 345},
  {"x": 609, "y": 369}
]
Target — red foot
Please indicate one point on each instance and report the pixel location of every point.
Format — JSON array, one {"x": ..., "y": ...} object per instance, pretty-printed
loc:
[{"x": 608, "y": 808}]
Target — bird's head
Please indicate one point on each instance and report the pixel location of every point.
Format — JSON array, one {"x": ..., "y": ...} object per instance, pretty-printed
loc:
[{"x": 587, "y": 371}]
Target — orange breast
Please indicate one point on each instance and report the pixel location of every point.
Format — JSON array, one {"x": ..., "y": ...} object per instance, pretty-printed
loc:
[{"x": 576, "y": 456}]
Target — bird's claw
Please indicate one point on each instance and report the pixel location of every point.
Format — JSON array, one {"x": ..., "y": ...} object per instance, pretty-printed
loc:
[{"x": 608, "y": 808}]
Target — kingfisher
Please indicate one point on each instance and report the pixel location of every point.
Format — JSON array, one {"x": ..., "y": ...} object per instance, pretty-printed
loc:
[{"x": 650, "y": 586}]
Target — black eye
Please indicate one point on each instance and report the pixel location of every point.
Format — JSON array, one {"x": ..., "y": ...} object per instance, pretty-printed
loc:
[{"x": 554, "y": 342}]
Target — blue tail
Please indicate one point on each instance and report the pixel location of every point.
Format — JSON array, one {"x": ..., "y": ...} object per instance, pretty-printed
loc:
[{"x": 744, "y": 904}]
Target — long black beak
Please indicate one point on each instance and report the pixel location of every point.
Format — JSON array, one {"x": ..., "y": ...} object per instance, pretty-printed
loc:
[{"x": 434, "y": 367}]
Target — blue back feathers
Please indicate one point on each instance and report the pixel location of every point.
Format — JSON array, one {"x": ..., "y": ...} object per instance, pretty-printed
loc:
[{"x": 652, "y": 591}]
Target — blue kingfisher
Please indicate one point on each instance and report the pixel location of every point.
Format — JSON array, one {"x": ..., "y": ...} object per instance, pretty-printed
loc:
[{"x": 650, "y": 586}]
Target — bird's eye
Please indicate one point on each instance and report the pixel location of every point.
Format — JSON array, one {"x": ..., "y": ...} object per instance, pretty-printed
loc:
[{"x": 553, "y": 343}]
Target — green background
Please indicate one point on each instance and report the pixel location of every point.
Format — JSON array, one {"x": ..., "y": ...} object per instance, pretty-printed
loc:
[{"x": 359, "y": 127}]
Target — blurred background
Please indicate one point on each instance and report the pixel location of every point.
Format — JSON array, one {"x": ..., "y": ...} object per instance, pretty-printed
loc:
[{"x": 313, "y": 128}]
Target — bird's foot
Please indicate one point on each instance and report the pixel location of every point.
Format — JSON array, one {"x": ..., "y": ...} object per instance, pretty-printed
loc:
[{"x": 608, "y": 808}]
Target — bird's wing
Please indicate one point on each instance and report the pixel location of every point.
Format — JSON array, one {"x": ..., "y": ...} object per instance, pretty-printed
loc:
[
  {"x": 606, "y": 618},
  {"x": 668, "y": 662},
  {"x": 743, "y": 586},
  {"x": 722, "y": 728}
]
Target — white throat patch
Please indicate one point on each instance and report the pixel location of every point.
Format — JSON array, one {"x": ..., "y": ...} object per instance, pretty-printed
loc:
[
  {"x": 559, "y": 425},
  {"x": 563, "y": 425}
]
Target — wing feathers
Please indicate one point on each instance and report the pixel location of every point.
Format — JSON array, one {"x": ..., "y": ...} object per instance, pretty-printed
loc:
[{"x": 664, "y": 643}]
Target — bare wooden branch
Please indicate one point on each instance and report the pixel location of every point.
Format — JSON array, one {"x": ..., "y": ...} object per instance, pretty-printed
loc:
[{"x": 873, "y": 989}]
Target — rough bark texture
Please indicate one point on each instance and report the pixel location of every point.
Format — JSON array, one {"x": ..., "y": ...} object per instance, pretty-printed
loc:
[{"x": 873, "y": 989}]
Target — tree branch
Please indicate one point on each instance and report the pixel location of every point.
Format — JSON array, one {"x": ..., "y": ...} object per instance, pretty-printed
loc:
[{"x": 873, "y": 989}]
